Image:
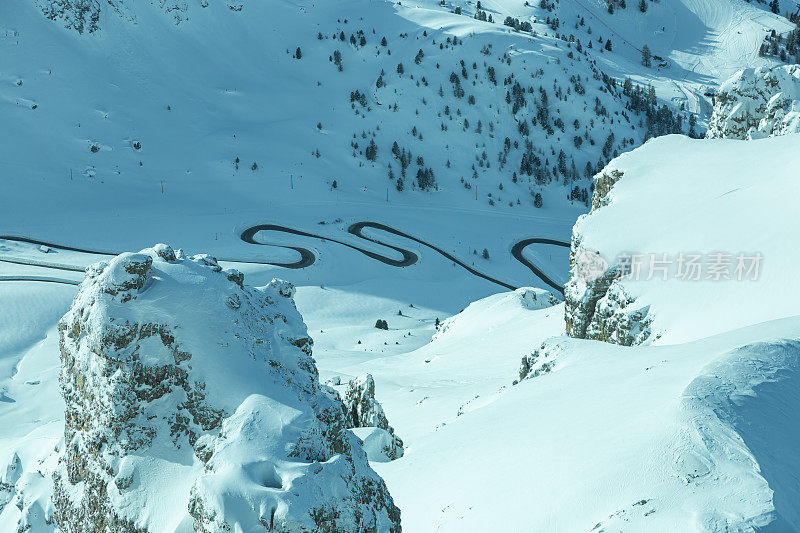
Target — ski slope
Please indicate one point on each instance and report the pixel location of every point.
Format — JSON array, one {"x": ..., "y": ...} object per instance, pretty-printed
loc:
[{"x": 703, "y": 42}]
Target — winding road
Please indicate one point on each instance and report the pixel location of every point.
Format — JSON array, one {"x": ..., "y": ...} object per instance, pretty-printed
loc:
[{"x": 307, "y": 257}]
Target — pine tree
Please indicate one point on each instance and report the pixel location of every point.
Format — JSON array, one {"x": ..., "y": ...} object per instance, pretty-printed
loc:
[
  {"x": 643, "y": 6},
  {"x": 646, "y": 56},
  {"x": 588, "y": 170},
  {"x": 608, "y": 146},
  {"x": 371, "y": 151},
  {"x": 627, "y": 85},
  {"x": 297, "y": 53}
]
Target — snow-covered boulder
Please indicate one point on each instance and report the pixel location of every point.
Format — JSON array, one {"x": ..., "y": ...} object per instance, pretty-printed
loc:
[
  {"x": 686, "y": 238},
  {"x": 757, "y": 103},
  {"x": 380, "y": 445},
  {"x": 364, "y": 411},
  {"x": 192, "y": 401}
]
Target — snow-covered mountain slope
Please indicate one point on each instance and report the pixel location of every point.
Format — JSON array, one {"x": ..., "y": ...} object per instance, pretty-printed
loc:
[
  {"x": 213, "y": 106},
  {"x": 189, "y": 123},
  {"x": 700, "y": 43},
  {"x": 678, "y": 260},
  {"x": 244, "y": 110},
  {"x": 686, "y": 437},
  {"x": 757, "y": 103},
  {"x": 706, "y": 39},
  {"x": 689, "y": 437}
]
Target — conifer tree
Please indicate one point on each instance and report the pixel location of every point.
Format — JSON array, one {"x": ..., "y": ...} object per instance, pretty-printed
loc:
[{"x": 646, "y": 56}]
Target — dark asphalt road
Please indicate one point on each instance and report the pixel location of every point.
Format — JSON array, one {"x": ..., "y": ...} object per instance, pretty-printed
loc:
[
  {"x": 307, "y": 257},
  {"x": 409, "y": 257}
]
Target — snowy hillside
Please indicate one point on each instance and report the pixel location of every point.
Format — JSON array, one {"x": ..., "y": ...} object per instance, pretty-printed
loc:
[
  {"x": 316, "y": 102},
  {"x": 688, "y": 432},
  {"x": 192, "y": 123},
  {"x": 215, "y": 106},
  {"x": 195, "y": 120},
  {"x": 486, "y": 354}
]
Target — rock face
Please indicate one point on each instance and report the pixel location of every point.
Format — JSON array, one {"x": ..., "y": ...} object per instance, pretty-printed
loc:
[
  {"x": 79, "y": 15},
  {"x": 84, "y": 16},
  {"x": 364, "y": 411},
  {"x": 757, "y": 103},
  {"x": 539, "y": 362},
  {"x": 597, "y": 306},
  {"x": 362, "y": 407},
  {"x": 193, "y": 399}
]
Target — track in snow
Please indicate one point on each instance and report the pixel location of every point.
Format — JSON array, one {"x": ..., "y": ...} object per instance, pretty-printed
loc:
[{"x": 307, "y": 257}]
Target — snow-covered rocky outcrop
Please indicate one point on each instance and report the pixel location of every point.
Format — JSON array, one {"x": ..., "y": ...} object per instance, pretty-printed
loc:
[
  {"x": 757, "y": 103},
  {"x": 669, "y": 249},
  {"x": 85, "y": 16},
  {"x": 79, "y": 15},
  {"x": 193, "y": 402},
  {"x": 364, "y": 411},
  {"x": 362, "y": 407},
  {"x": 522, "y": 299}
]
